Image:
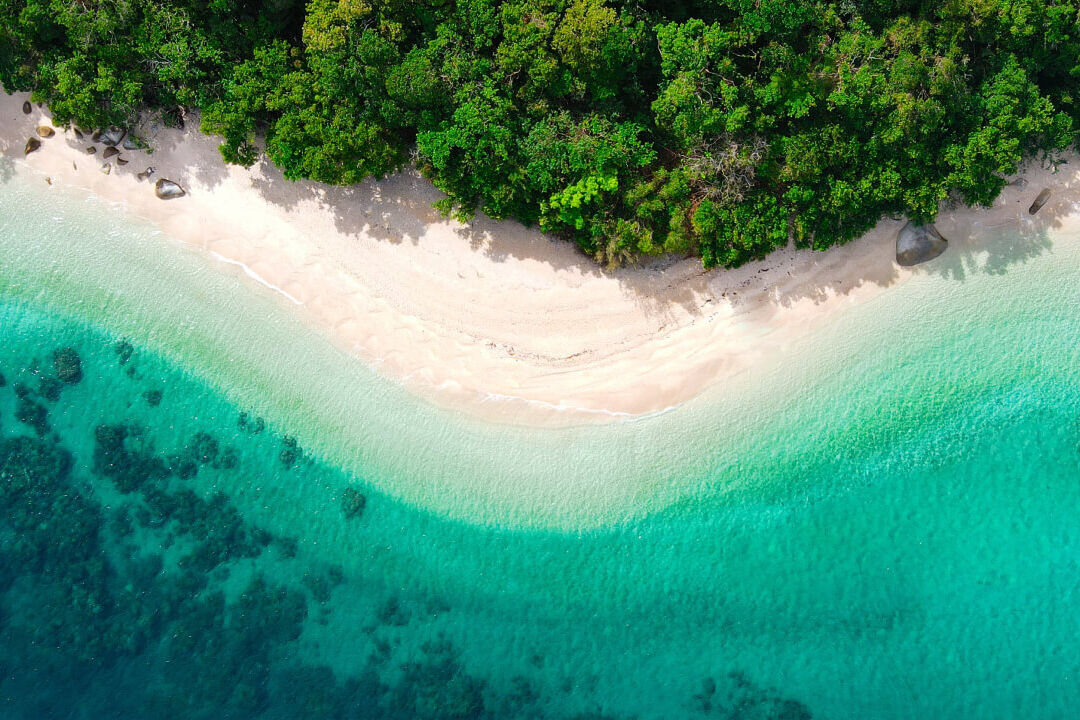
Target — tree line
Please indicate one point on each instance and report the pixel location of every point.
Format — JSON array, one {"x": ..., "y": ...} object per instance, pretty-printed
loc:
[{"x": 722, "y": 128}]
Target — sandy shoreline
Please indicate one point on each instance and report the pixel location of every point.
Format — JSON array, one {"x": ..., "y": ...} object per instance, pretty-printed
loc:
[{"x": 494, "y": 318}]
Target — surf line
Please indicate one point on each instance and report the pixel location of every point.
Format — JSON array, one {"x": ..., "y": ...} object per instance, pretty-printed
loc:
[{"x": 255, "y": 276}]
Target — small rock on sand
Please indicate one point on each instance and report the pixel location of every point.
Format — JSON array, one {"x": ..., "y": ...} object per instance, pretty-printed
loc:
[
  {"x": 26, "y": 108},
  {"x": 145, "y": 173},
  {"x": 109, "y": 152},
  {"x": 167, "y": 189},
  {"x": 91, "y": 150},
  {"x": 45, "y": 131},
  {"x": 1040, "y": 200},
  {"x": 106, "y": 168},
  {"x": 121, "y": 161},
  {"x": 32, "y": 144},
  {"x": 918, "y": 243}
]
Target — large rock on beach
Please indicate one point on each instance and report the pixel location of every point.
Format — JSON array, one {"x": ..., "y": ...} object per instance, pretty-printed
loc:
[
  {"x": 32, "y": 144},
  {"x": 167, "y": 189},
  {"x": 111, "y": 136},
  {"x": 918, "y": 243}
]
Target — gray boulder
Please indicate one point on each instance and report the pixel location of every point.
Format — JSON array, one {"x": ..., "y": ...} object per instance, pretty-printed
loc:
[
  {"x": 167, "y": 189},
  {"x": 111, "y": 136},
  {"x": 918, "y": 243},
  {"x": 134, "y": 142}
]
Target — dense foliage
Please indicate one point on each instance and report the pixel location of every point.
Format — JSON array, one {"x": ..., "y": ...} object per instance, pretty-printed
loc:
[{"x": 721, "y": 127}]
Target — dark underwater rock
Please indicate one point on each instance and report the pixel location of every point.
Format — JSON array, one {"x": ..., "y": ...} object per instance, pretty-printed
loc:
[
  {"x": 50, "y": 388},
  {"x": 124, "y": 350},
  {"x": 918, "y": 243},
  {"x": 68, "y": 365},
  {"x": 32, "y": 414},
  {"x": 353, "y": 502}
]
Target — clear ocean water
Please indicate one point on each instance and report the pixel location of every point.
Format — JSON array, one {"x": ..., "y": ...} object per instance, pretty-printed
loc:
[{"x": 208, "y": 511}]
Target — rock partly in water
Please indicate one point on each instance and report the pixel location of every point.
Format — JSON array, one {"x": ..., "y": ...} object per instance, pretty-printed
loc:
[
  {"x": 45, "y": 131},
  {"x": 167, "y": 189},
  {"x": 26, "y": 108},
  {"x": 68, "y": 365},
  {"x": 32, "y": 144},
  {"x": 109, "y": 152},
  {"x": 91, "y": 150},
  {"x": 111, "y": 136},
  {"x": 1040, "y": 200},
  {"x": 918, "y": 243}
]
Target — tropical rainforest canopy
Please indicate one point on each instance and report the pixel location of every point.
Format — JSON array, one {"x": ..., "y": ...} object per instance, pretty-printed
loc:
[{"x": 724, "y": 128}]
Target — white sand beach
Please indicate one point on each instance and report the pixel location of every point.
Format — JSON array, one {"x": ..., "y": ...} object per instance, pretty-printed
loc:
[{"x": 494, "y": 318}]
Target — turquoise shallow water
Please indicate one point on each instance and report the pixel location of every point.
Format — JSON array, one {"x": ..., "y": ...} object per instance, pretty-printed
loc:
[{"x": 882, "y": 522}]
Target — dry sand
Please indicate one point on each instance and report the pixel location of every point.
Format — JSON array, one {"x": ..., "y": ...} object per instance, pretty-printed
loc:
[{"x": 492, "y": 317}]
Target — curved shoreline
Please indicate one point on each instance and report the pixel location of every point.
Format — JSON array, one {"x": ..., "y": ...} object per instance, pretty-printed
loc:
[{"x": 493, "y": 318}]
